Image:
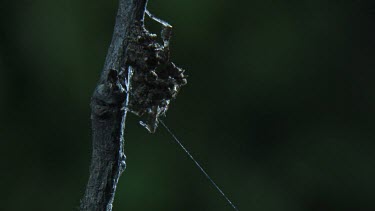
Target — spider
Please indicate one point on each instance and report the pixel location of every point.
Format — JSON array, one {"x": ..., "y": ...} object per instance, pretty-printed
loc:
[{"x": 152, "y": 79}]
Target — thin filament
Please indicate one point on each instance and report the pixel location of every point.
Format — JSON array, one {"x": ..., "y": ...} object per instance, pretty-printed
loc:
[{"x": 199, "y": 166}]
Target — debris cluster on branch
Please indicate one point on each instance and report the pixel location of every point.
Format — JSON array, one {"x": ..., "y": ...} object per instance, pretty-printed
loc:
[{"x": 155, "y": 80}]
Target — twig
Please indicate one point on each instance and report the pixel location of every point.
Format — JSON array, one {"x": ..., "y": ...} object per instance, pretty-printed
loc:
[{"x": 108, "y": 113}]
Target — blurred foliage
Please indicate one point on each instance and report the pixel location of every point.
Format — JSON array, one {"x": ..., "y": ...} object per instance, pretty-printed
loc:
[{"x": 279, "y": 107}]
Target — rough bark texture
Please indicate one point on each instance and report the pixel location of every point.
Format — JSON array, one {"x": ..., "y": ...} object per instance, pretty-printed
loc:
[
  {"x": 108, "y": 113},
  {"x": 138, "y": 76}
]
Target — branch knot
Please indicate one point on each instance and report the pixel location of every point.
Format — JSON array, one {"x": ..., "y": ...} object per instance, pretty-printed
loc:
[{"x": 108, "y": 96}]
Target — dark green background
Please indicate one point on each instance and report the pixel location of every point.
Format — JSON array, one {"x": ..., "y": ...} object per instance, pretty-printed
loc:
[{"x": 279, "y": 107}]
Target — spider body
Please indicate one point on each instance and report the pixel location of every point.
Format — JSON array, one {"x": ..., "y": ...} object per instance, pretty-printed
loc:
[{"x": 155, "y": 79}]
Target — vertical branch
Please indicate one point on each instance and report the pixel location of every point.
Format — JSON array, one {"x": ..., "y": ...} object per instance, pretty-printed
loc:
[{"x": 108, "y": 114}]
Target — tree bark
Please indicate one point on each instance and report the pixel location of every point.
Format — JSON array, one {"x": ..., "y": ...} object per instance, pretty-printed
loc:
[{"x": 108, "y": 113}]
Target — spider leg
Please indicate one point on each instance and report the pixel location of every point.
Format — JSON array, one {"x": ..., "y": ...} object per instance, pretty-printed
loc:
[
  {"x": 164, "y": 23},
  {"x": 166, "y": 32}
]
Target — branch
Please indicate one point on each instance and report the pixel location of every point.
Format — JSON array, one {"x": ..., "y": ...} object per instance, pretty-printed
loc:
[
  {"x": 108, "y": 113},
  {"x": 138, "y": 76}
]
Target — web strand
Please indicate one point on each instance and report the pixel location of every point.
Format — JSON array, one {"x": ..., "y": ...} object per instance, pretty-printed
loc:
[{"x": 199, "y": 166}]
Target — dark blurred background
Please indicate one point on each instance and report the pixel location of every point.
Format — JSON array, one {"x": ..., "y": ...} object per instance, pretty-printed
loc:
[{"x": 279, "y": 106}]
